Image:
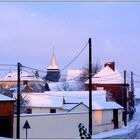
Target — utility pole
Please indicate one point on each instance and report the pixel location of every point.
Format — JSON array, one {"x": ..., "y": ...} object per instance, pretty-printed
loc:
[
  {"x": 132, "y": 82},
  {"x": 90, "y": 87},
  {"x": 18, "y": 100},
  {"x": 132, "y": 89},
  {"x": 125, "y": 99}
]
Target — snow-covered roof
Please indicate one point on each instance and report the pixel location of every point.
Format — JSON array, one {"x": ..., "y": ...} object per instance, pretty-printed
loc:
[
  {"x": 107, "y": 76},
  {"x": 78, "y": 96},
  {"x": 98, "y": 97},
  {"x": 53, "y": 64},
  {"x": 73, "y": 74},
  {"x": 6, "y": 98},
  {"x": 61, "y": 86},
  {"x": 100, "y": 105},
  {"x": 12, "y": 76},
  {"x": 43, "y": 100},
  {"x": 56, "y": 100}
]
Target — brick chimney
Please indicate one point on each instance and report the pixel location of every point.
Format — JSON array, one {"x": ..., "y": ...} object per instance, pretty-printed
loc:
[{"x": 111, "y": 65}]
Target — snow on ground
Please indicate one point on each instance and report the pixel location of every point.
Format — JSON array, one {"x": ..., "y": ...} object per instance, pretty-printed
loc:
[
  {"x": 65, "y": 86},
  {"x": 124, "y": 130}
]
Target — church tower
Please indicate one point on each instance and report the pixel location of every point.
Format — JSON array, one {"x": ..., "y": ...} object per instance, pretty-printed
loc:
[{"x": 53, "y": 72}]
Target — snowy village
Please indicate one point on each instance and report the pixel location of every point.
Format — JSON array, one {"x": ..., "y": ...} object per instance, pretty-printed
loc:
[
  {"x": 69, "y": 70},
  {"x": 50, "y": 108}
]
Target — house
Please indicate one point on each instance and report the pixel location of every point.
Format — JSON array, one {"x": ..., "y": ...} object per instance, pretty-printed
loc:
[
  {"x": 6, "y": 116},
  {"x": 53, "y": 71},
  {"x": 103, "y": 112},
  {"x": 26, "y": 78},
  {"x": 59, "y": 102},
  {"x": 42, "y": 103},
  {"x": 23, "y": 88},
  {"x": 110, "y": 79},
  {"x": 71, "y": 109},
  {"x": 73, "y": 75}
]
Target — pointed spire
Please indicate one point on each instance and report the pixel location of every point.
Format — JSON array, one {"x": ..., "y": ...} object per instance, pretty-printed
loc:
[{"x": 53, "y": 64}]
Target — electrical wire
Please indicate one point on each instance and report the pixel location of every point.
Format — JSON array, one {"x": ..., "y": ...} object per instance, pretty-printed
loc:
[
  {"x": 8, "y": 65},
  {"x": 34, "y": 69},
  {"x": 74, "y": 58}
]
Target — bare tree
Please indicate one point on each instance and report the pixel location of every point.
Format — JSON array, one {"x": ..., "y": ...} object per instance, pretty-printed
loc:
[
  {"x": 24, "y": 103},
  {"x": 95, "y": 68}
]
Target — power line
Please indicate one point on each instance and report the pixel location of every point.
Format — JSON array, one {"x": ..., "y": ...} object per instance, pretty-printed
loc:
[
  {"x": 8, "y": 65},
  {"x": 65, "y": 66},
  {"x": 34, "y": 69},
  {"x": 74, "y": 58},
  {"x": 136, "y": 75}
]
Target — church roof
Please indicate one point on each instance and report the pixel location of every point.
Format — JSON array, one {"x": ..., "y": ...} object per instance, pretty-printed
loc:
[{"x": 53, "y": 64}]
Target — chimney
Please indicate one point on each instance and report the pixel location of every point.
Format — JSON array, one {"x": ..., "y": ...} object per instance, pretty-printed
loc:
[{"x": 111, "y": 65}]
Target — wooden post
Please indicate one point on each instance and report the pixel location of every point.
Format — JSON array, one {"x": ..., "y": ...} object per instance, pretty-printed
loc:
[
  {"x": 125, "y": 100},
  {"x": 18, "y": 100},
  {"x": 90, "y": 87}
]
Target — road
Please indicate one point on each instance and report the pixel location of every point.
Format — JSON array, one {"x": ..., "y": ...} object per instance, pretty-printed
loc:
[{"x": 135, "y": 134}]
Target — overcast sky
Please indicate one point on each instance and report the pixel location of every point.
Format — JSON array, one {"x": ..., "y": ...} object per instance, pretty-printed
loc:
[{"x": 30, "y": 30}]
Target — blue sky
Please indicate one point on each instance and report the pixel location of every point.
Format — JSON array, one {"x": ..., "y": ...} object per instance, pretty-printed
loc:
[{"x": 30, "y": 30}]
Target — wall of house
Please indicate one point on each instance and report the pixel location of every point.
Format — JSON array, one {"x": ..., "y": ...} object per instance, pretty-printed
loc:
[
  {"x": 9, "y": 84},
  {"x": 79, "y": 108},
  {"x": 44, "y": 110},
  {"x": 7, "y": 110},
  {"x": 63, "y": 125},
  {"x": 115, "y": 92},
  {"x": 120, "y": 115}
]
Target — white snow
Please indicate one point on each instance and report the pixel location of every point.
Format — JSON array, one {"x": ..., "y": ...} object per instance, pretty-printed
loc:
[
  {"x": 79, "y": 95},
  {"x": 73, "y": 74},
  {"x": 107, "y": 76},
  {"x": 65, "y": 86},
  {"x": 43, "y": 100},
  {"x": 55, "y": 100},
  {"x": 103, "y": 105},
  {"x": 6, "y": 98},
  {"x": 12, "y": 76}
]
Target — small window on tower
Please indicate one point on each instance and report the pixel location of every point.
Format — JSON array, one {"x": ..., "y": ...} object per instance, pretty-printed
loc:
[{"x": 52, "y": 110}]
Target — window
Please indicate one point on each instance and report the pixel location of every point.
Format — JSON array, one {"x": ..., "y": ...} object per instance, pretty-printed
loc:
[
  {"x": 52, "y": 110},
  {"x": 25, "y": 82},
  {"x": 29, "y": 111}
]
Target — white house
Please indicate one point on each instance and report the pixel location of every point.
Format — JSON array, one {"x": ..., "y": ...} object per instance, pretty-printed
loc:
[
  {"x": 53, "y": 102},
  {"x": 73, "y": 74},
  {"x": 106, "y": 116}
]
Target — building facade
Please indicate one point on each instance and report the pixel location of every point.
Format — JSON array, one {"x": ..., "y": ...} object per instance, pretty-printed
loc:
[
  {"x": 110, "y": 79},
  {"x": 6, "y": 116}
]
